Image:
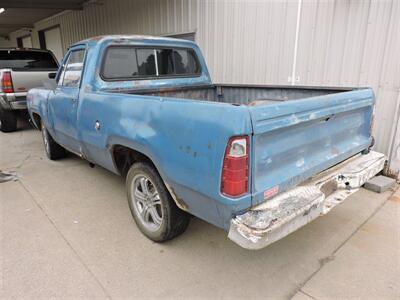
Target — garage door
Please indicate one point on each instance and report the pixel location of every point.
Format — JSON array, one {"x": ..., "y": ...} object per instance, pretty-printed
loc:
[
  {"x": 27, "y": 42},
  {"x": 24, "y": 42},
  {"x": 52, "y": 41}
]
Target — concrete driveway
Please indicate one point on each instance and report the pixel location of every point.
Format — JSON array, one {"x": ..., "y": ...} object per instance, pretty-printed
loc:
[{"x": 66, "y": 232}]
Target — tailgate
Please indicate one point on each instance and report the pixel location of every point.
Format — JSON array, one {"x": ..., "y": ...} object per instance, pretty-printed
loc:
[
  {"x": 23, "y": 81},
  {"x": 300, "y": 138}
]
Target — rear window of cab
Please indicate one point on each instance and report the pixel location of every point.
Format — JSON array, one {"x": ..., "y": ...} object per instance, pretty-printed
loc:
[{"x": 129, "y": 62}]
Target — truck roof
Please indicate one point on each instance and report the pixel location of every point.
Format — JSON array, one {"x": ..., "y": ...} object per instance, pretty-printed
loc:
[{"x": 132, "y": 38}]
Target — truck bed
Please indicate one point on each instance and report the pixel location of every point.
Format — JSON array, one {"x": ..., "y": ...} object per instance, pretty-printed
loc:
[
  {"x": 292, "y": 140},
  {"x": 242, "y": 94}
]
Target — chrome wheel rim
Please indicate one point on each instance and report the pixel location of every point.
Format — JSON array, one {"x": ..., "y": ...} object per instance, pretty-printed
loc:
[
  {"x": 146, "y": 202},
  {"x": 45, "y": 139}
]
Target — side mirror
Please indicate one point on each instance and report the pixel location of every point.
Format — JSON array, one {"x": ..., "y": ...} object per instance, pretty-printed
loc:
[{"x": 52, "y": 75}]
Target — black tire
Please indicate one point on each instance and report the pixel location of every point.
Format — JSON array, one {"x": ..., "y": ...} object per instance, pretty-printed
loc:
[
  {"x": 8, "y": 120},
  {"x": 174, "y": 220},
  {"x": 53, "y": 150}
]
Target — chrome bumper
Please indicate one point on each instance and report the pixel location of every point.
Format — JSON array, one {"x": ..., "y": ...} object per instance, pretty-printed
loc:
[
  {"x": 13, "y": 101},
  {"x": 18, "y": 105},
  {"x": 276, "y": 218}
]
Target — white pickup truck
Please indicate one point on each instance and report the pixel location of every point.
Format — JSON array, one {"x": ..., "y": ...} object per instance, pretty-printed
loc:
[{"x": 20, "y": 70}]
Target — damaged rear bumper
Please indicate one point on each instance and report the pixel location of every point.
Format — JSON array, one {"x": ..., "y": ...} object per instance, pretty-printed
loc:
[{"x": 288, "y": 211}]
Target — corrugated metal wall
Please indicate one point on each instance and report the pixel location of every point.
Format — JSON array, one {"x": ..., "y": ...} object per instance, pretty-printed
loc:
[
  {"x": 123, "y": 16},
  {"x": 355, "y": 43},
  {"x": 341, "y": 43},
  {"x": 248, "y": 41},
  {"x": 7, "y": 43}
]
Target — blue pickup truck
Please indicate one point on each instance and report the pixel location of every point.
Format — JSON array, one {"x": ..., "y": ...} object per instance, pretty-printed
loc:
[{"x": 257, "y": 161}]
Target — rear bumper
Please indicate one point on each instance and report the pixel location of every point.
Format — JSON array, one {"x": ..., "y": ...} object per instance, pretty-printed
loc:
[
  {"x": 288, "y": 211},
  {"x": 13, "y": 101},
  {"x": 18, "y": 105}
]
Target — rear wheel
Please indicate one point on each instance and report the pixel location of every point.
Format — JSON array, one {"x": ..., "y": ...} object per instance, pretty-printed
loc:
[
  {"x": 152, "y": 207},
  {"x": 53, "y": 150},
  {"x": 8, "y": 120}
]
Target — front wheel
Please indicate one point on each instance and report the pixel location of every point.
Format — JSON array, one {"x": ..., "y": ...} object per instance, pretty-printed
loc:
[
  {"x": 152, "y": 207},
  {"x": 53, "y": 150}
]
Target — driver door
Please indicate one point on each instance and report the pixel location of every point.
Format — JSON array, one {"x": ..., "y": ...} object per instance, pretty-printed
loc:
[{"x": 65, "y": 100}]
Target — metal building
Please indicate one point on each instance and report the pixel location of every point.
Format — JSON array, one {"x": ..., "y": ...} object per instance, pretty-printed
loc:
[{"x": 315, "y": 42}]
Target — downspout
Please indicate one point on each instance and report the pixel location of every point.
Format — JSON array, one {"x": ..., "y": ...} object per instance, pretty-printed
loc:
[{"x": 296, "y": 42}]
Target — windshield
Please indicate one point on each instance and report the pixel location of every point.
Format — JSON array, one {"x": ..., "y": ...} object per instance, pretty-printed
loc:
[{"x": 27, "y": 60}]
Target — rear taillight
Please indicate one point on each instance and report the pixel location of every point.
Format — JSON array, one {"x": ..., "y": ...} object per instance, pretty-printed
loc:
[
  {"x": 235, "y": 169},
  {"x": 6, "y": 83}
]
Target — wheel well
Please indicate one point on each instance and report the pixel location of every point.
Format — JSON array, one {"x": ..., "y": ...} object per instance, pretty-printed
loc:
[
  {"x": 37, "y": 120},
  {"x": 125, "y": 157}
]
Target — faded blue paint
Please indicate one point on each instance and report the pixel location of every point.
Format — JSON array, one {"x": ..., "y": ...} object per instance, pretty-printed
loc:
[
  {"x": 294, "y": 140},
  {"x": 186, "y": 139}
]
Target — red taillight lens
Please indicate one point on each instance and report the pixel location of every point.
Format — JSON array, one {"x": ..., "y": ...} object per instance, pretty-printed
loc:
[
  {"x": 235, "y": 169},
  {"x": 6, "y": 83}
]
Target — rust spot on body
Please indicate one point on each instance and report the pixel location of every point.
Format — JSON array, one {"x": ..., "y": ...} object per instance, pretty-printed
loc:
[
  {"x": 179, "y": 202},
  {"x": 96, "y": 38}
]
